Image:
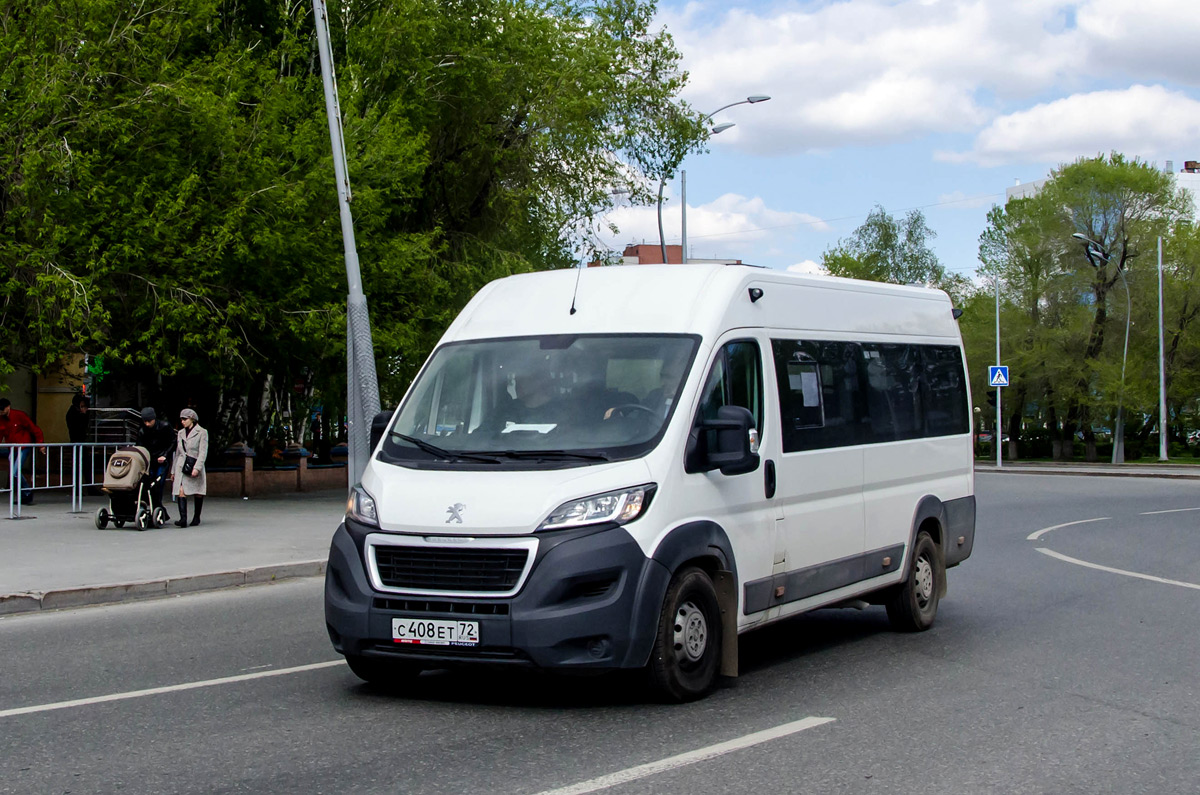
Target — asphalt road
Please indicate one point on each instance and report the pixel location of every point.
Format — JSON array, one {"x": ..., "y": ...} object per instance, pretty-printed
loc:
[{"x": 1043, "y": 674}]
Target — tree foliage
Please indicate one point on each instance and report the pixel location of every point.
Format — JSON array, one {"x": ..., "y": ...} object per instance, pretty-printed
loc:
[
  {"x": 166, "y": 186},
  {"x": 883, "y": 249},
  {"x": 1063, "y": 310}
]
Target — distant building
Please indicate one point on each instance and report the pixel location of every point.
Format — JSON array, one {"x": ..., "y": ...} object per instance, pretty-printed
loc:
[
  {"x": 1188, "y": 178},
  {"x": 651, "y": 254}
]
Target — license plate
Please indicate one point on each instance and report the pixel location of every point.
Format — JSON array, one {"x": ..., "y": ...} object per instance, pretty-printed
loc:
[{"x": 428, "y": 632}]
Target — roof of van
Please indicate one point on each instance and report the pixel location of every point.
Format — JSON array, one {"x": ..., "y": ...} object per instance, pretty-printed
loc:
[{"x": 701, "y": 299}]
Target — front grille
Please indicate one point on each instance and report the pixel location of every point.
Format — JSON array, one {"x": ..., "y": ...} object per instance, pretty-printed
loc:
[
  {"x": 498, "y": 654},
  {"x": 448, "y": 569},
  {"x": 427, "y": 606}
]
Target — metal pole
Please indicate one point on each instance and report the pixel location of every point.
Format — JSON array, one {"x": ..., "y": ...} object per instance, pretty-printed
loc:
[
  {"x": 1162, "y": 368},
  {"x": 1119, "y": 430},
  {"x": 662, "y": 241},
  {"x": 683, "y": 206},
  {"x": 998, "y": 435},
  {"x": 362, "y": 385}
]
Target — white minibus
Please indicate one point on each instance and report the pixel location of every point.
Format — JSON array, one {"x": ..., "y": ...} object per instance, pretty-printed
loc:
[{"x": 627, "y": 467}]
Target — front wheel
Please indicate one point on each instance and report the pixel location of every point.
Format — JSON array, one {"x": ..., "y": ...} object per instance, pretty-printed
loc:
[
  {"x": 687, "y": 650},
  {"x": 102, "y": 517},
  {"x": 383, "y": 673},
  {"x": 913, "y": 605},
  {"x": 142, "y": 520}
]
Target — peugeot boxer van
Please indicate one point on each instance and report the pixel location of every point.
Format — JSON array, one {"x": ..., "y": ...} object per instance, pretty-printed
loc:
[{"x": 627, "y": 467}]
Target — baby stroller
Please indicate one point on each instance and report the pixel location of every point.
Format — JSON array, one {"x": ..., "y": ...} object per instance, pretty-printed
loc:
[{"x": 127, "y": 483}]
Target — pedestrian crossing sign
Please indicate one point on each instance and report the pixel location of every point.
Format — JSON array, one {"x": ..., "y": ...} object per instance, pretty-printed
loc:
[{"x": 998, "y": 375}]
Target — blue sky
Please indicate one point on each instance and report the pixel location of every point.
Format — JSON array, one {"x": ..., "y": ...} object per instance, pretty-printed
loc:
[{"x": 910, "y": 104}]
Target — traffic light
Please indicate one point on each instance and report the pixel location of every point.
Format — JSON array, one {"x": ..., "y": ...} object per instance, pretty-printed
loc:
[{"x": 991, "y": 398}]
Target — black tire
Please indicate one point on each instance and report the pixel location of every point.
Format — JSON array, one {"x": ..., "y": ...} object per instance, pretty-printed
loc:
[
  {"x": 913, "y": 605},
  {"x": 160, "y": 517},
  {"x": 383, "y": 673},
  {"x": 687, "y": 649},
  {"x": 102, "y": 517},
  {"x": 142, "y": 519},
  {"x": 119, "y": 522}
]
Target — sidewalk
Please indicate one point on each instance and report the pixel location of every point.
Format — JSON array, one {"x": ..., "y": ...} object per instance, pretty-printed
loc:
[
  {"x": 1167, "y": 470},
  {"x": 59, "y": 559}
]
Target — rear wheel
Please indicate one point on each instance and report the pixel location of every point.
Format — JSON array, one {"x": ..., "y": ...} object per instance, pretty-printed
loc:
[
  {"x": 119, "y": 522},
  {"x": 160, "y": 517},
  {"x": 383, "y": 673},
  {"x": 687, "y": 650},
  {"x": 142, "y": 519},
  {"x": 913, "y": 605},
  {"x": 102, "y": 517}
]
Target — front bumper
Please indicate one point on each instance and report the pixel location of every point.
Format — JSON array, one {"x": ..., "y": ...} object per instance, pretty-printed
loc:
[{"x": 591, "y": 601}]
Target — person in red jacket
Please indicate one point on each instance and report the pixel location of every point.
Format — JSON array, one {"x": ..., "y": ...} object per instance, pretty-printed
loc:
[{"x": 17, "y": 428}]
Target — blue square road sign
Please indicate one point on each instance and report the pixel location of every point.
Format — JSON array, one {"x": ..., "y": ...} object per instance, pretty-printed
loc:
[{"x": 998, "y": 375}]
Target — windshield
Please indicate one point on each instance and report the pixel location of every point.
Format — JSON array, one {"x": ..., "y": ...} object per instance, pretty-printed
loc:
[{"x": 558, "y": 400}]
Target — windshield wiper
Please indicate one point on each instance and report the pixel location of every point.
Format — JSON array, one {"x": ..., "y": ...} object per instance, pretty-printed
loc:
[
  {"x": 536, "y": 455},
  {"x": 446, "y": 455}
]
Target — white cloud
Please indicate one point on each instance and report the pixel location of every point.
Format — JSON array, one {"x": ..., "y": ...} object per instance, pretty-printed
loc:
[
  {"x": 859, "y": 72},
  {"x": 721, "y": 228},
  {"x": 1146, "y": 121},
  {"x": 809, "y": 267}
]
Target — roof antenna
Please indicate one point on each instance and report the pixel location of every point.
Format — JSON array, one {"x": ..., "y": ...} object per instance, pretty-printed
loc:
[{"x": 578, "y": 270}]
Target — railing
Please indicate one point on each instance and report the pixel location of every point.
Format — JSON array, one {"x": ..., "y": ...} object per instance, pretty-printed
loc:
[
  {"x": 114, "y": 425},
  {"x": 53, "y": 466}
]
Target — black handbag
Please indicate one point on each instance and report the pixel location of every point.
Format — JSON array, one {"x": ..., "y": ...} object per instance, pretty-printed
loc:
[{"x": 189, "y": 464}]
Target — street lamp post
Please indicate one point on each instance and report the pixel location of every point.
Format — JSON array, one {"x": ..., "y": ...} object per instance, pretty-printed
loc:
[
  {"x": 362, "y": 385},
  {"x": 1094, "y": 251},
  {"x": 1163, "y": 448},
  {"x": 720, "y": 128}
]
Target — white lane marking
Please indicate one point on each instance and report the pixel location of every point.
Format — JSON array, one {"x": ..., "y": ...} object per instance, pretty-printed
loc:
[
  {"x": 155, "y": 691},
  {"x": 1034, "y": 536},
  {"x": 689, "y": 758},
  {"x": 1173, "y": 510},
  {"x": 1111, "y": 570}
]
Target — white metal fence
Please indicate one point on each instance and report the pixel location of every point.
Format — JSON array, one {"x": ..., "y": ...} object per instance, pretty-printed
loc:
[{"x": 36, "y": 468}]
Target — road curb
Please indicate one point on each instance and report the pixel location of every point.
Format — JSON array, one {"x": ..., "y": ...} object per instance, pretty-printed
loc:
[
  {"x": 63, "y": 598},
  {"x": 1089, "y": 474}
]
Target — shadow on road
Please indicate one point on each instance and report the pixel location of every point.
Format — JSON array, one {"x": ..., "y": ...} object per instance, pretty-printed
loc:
[{"x": 807, "y": 636}]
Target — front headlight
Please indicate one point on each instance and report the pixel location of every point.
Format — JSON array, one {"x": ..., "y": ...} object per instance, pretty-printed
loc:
[
  {"x": 361, "y": 507},
  {"x": 614, "y": 506}
]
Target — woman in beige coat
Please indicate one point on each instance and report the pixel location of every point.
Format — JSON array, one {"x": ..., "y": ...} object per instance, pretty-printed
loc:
[{"x": 192, "y": 443}]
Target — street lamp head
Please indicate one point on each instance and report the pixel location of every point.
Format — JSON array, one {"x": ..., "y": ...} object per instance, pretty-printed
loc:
[
  {"x": 720, "y": 128},
  {"x": 1091, "y": 249},
  {"x": 757, "y": 98}
]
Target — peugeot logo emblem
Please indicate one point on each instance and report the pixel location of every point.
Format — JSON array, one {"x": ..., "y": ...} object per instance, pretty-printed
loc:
[{"x": 455, "y": 512}]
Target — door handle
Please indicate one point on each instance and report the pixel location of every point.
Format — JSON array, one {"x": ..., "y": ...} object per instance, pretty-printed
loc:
[{"x": 769, "y": 475}]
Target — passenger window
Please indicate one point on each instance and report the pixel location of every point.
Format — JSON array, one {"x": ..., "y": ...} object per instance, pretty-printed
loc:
[
  {"x": 894, "y": 391},
  {"x": 735, "y": 380},
  {"x": 945, "y": 391},
  {"x": 820, "y": 395}
]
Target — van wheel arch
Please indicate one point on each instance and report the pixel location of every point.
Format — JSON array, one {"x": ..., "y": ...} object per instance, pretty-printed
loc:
[
  {"x": 930, "y": 517},
  {"x": 705, "y": 545}
]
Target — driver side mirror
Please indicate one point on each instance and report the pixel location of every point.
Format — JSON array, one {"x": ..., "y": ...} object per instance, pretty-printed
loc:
[
  {"x": 379, "y": 426},
  {"x": 728, "y": 443}
]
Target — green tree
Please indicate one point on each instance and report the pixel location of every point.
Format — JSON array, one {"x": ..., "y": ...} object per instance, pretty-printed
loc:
[
  {"x": 883, "y": 249},
  {"x": 1057, "y": 314},
  {"x": 167, "y": 197}
]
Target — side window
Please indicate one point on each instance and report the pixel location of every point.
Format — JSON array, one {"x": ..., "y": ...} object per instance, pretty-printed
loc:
[
  {"x": 944, "y": 391},
  {"x": 894, "y": 391},
  {"x": 820, "y": 394},
  {"x": 735, "y": 380}
]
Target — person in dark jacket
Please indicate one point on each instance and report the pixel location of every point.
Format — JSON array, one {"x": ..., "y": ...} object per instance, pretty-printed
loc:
[
  {"x": 158, "y": 437},
  {"x": 77, "y": 419}
]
